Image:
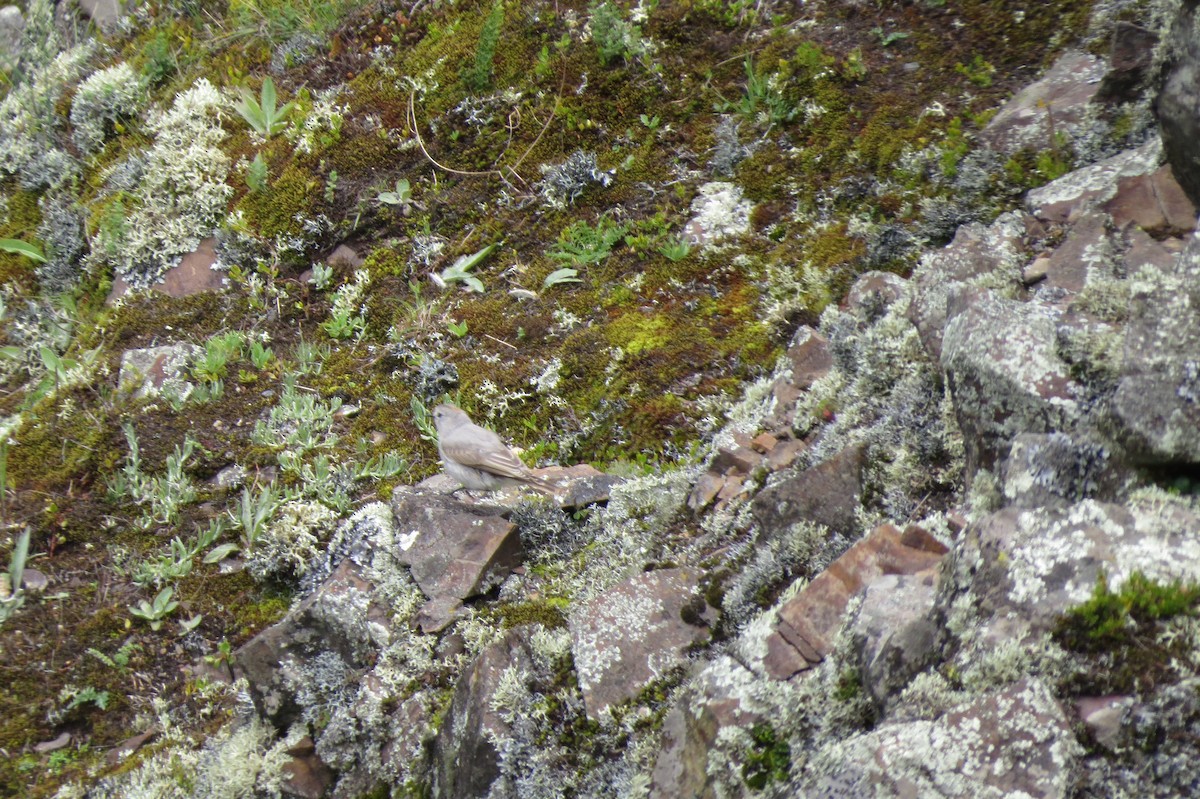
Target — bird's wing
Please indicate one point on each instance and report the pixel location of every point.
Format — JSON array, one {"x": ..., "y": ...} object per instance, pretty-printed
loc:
[{"x": 483, "y": 449}]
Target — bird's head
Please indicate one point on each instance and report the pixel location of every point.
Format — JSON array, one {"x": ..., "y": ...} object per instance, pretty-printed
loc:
[{"x": 447, "y": 417}]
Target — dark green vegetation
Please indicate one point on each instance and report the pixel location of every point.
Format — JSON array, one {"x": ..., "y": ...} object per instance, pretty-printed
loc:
[
  {"x": 489, "y": 109},
  {"x": 1124, "y": 634}
]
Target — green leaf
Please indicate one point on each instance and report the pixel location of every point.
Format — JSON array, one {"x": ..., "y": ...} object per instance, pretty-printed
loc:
[
  {"x": 268, "y": 96},
  {"x": 564, "y": 275},
  {"x": 23, "y": 248},
  {"x": 219, "y": 554}
]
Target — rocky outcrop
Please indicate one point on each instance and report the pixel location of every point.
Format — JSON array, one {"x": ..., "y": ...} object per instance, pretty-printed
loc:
[
  {"x": 1014, "y": 742},
  {"x": 1175, "y": 105}
]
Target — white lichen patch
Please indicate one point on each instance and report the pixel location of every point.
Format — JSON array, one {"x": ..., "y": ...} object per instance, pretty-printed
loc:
[{"x": 719, "y": 212}]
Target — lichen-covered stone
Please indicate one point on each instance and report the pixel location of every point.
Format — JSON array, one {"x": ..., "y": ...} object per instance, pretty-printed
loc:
[
  {"x": 1157, "y": 403},
  {"x": 1005, "y": 375},
  {"x": 979, "y": 254},
  {"x": 636, "y": 632},
  {"x": 1053, "y": 105},
  {"x": 1013, "y": 742},
  {"x": 1176, "y": 103},
  {"x": 146, "y": 373},
  {"x": 1093, "y": 185},
  {"x": 894, "y": 630}
]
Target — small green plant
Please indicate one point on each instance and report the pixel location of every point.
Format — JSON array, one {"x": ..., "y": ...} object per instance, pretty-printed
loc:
[
  {"x": 344, "y": 323},
  {"x": 478, "y": 76},
  {"x": 854, "y": 68},
  {"x": 1110, "y": 618},
  {"x": 260, "y": 355},
  {"x": 614, "y": 36},
  {"x": 651, "y": 122},
  {"x": 457, "y": 329},
  {"x": 30, "y": 251},
  {"x": 256, "y": 174},
  {"x": 331, "y": 183},
  {"x": 764, "y": 102},
  {"x": 769, "y": 759},
  {"x": 219, "y": 352},
  {"x": 262, "y": 114},
  {"x": 253, "y": 513},
  {"x": 120, "y": 659},
  {"x": 71, "y": 697},
  {"x": 979, "y": 71},
  {"x": 581, "y": 244},
  {"x": 423, "y": 420},
  {"x": 322, "y": 276},
  {"x": 156, "y": 612},
  {"x": 888, "y": 37},
  {"x": 310, "y": 356},
  {"x": 12, "y": 596},
  {"x": 460, "y": 270},
  {"x": 402, "y": 195},
  {"x": 675, "y": 250}
]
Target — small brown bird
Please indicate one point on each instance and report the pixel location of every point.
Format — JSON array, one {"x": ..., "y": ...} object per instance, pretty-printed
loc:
[{"x": 476, "y": 457}]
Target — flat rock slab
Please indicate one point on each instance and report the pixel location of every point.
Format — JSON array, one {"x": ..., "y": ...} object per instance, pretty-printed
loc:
[
  {"x": 1052, "y": 105},
  {"x": 1090, "y": 187},
  {"x": 828, "y": 494},
  {"x": 454, "y": 550},
  {"x": 634, "y": 633},
  {"x": 1002, "y": 365},
  {"x": 806, "y": 624},
  {"x": 1014, "y": 742},
  {"x": 192, "y": 275},
  {"x": 1157, "y": 403},
  {"x": 1156, "y": 203}
]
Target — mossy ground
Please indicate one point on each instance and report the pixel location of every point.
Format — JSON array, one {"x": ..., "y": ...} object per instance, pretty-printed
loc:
[{"x": 645, "y": 341}]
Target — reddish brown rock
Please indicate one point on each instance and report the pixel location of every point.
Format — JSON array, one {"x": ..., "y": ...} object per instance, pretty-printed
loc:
[
  {"x": 806, "y": 624},
  {"x": 705, "y": 491},
  {"x": 305, "y": 775},
  {"x": 129, "y": 746},
  {"x": 1087, "y": 250},
  {"x": 1154, "y": 202},
  {"x": 874, "y": 291},
  {"x": 1052, "y": 105},
  {"x": 192, "y": 275},
  {"x": 810, "y": 360},
  {"x": 455, "y": 550},
  {"x": 828, "y": 494}
]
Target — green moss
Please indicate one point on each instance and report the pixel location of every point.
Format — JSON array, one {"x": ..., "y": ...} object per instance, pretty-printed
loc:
[
  {"x": 636, "y": 333},
  {"x": 769, "y": 759},
  {"x": 290, "y": 197},
  {"x": 549, "y": 612},
  {"x": 1119, "y": 632}
]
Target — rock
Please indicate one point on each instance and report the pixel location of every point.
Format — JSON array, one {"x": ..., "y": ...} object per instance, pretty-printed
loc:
[
  {"x": 976, "y": 253},
  {"x": 1129, "y": 62},
  {"x": 763, "y": 443},
  {"x": 305, "y": 776},
  {"x": 438, "y": 614},
  {"x": 707, "y": 705},
  {"x": 1087, "y": 253},
  {"x": 1052, "y": 106},
  {"x": 339, "y": 625},
  {"x": 149, "y": 372},
  {"x": 584, "y": 490},
  {"x": 12, "y": 25},
  {"x": 1026, "y": 567},
  {"x": 1005, "y": 376},
  {"x": 454, "y": 550},
  {"x": 634, "y": 633},
  {"x": 1090, "y": 187},
  {"x": 810, "y": 361},
  {"x": 785, "y": 454},
  {"x": 1103, "y": 715},
  {"x": 1157, "y": 403},
  {"x": 735, "y": 460},
  {"x": 1145, "y": 251},
  {"x": 1155, "y": 202},
  {"x": 465, "y": 759},
  {"x": 806, "y": 624},
  {"x": 45, "y": 747},
  {"x": 344, "y": 256},
  {"x": 705, "y": 491},
  {"x": 192, "y": 275},
  {"x": 104, "y": 13},
  {"x": 828, "y": 494},
  {"x": 873, "y": 292},
  {"x": 129, "y": 746},
  {"x": 1056, "y": 470},
  {"x": 34, "y": 581},
  {"x": 1014, "y": 742},
  {"x": 1175, "y": 105},
  {"x": 894, "y": 632}
]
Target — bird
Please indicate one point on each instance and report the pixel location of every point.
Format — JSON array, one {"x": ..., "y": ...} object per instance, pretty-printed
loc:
[{"x": 476, "y": 457}]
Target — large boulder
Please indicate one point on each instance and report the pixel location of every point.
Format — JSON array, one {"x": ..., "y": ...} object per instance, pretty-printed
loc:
[
  {"x": 894, "y": 632},
  {"x": 1005, "y": 375},
  {"x": 828, "y": 494},
  {"x": 636, "y": 632},
  {"x": 466, "y": 761},
  {"x": 1175, "y": 105},
  {"x": 1157, "y": 404},
  {"x": 1014, "y": 742}
]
